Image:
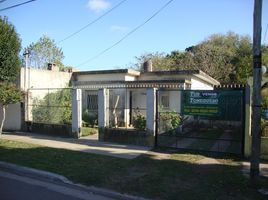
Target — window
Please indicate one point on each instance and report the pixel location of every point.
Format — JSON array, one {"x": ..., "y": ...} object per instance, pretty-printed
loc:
[
  {"x": 164, "y": 100},
  {"x": 92, "y": 102}
]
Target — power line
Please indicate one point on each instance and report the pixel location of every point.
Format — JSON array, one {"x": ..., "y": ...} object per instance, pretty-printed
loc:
[
  {"x": 2, "y": 1},
  {"x": 92, "y": 22},
  {"x": 128, "y": 34},
  {"x": 7, "y": 8}
]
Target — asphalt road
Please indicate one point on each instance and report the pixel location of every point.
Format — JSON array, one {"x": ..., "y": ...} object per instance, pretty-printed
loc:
[{"x": 17, "y": 187}]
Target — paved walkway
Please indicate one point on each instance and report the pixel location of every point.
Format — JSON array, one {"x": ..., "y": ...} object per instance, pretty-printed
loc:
[
  {"x": 88, "y": 144},
  {"x": 263, "y": 169}
]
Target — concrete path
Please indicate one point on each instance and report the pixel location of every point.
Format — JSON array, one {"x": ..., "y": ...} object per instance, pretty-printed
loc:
[
  {"x": 263, "y": 169},
  {"x": 88, "y": 144}
]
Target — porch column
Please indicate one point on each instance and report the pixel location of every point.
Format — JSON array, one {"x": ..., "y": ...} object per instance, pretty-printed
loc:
[
  {"x": 76, "y": 112},
  {"x": 103, "y": 112},
  {"x": 150, "y": 110}
]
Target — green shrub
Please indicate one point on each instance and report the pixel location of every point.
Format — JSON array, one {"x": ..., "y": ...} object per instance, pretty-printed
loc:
[
  {"x": 173, "y": 117},
  {"x": 55, "y": 107},
  {"x": 89, "y": 118},
  {"x": 139, "y": 122}
]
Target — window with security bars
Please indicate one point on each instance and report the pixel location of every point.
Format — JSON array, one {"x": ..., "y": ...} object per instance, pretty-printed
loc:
[
  {"x": 92, "y": 102},
  {"x": 164, "y": 100}
]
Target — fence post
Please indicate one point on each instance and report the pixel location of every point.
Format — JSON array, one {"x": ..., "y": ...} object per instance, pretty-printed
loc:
[
  {"x": 76, "y": 112},
  {"x": 151, "y": 112},
  {"x": 103, "y": 113}
]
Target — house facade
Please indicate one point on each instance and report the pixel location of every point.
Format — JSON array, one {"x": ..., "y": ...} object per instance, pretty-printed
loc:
[{"x": 127, "y": 90}]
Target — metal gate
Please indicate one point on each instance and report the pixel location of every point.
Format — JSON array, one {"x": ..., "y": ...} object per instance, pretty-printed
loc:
[{"x": 202, "y": 120}]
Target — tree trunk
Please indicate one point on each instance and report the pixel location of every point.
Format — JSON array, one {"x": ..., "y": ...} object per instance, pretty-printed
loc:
[{"x": 3, "y": 111}]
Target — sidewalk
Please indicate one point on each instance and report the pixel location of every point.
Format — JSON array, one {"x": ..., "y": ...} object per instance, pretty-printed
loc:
[{"x": 88, "y": 144}]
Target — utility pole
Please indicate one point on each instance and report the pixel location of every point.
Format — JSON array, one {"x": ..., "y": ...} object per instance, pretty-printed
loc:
[
  {"x": 26, "y": 84},
  {"x": 26, "y": 55},
  {"x": 256, "y": 106}
]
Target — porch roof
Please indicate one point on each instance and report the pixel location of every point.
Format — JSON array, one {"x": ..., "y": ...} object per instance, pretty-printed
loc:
[
  {"x": 113, "y": 71},
  {"x": 132, "y": 84}
]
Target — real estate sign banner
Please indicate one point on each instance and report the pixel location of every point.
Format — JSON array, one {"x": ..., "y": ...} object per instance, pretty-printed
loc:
[
  {"x": 216, "y": 104},
  {"x": 201, "y": 103}
]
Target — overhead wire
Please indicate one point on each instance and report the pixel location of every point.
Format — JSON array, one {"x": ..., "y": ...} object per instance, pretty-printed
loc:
[
  {"x": 16, "y": 5},
  {"x": 128, "y": 34},
  {"x": 92, "y": 22}
]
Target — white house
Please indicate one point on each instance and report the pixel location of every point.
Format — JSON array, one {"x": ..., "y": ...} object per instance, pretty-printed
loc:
[{"x": 126, "y": 90}]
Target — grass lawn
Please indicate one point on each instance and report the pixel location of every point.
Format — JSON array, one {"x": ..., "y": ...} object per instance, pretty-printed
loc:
[
  {"x": 178, "y": 177},
  {"x": 89, "y": 131}
]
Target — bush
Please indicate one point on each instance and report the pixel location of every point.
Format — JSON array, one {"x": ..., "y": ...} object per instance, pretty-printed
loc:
[
  {"x": 54, "y": 108},
  {"x": 89, "y": 118},
  {"x": 173, "y": 117},
  {"x": 139, "y": 122}
]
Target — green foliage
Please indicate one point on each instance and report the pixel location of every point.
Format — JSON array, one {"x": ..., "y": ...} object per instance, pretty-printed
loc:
[
  {"x": 139, "y": 121},
  {"x": 10, "y": 46},
  {"x": 90, "y": 118},
  {"x": 225, "y": 57},
  {"x": 9, "y": 94},
  {"x": 173, "y": 117},
  {"x": 89, "y": 131},
  {"x": 160, "y": 61},
  {"x": 265, "y": 55},
  {"x": 53, "y": 108},
  {"x": 44, "y": 51},
  {"x": 265, "y": 102}
]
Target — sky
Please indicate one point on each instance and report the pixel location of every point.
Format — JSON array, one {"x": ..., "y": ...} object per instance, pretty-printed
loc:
[{"x": 181, "y": 24}]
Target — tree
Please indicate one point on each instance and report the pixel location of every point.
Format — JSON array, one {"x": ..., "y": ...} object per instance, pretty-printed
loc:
[
  {"x": 9, "y": 64},
  {"x": 225, "y": 57},
  {"x": 9, "y": 94},
  {"x": 181, "y": 60},
  {"x": 44, "y": 51},
  {"x": 160, "y": 61},
  {"x": 10, "y": 46}
]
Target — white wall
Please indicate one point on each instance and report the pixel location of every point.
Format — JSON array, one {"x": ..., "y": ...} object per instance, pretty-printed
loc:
[
  {"x": 144, "y": 77},
  {"x": 36, "y": 78},
  {"x": 106, "y": 77},
  {"x": 13, "y": 117},
  {"x": 175, "y": 101},
  {"x": 139, "y": 100},
  {"x": 198, "y": 84}
]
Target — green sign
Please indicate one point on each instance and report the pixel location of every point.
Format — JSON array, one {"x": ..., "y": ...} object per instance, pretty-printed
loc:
[{"x": 200, "y": 103}]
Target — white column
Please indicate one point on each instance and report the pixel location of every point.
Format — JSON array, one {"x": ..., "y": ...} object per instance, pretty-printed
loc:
[
  {"x": 103, "y": 112},
  {"x": 150, "y": 110},
  {"x": 126, "y": 109},
  {"x": 103, "y": 119},
  {"x": 76, "y": 112}
]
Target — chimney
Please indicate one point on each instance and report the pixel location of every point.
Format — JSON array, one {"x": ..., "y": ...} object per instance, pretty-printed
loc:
[
  {"x": 148, "y": 66},
  {"x": 52, "y": 67}
]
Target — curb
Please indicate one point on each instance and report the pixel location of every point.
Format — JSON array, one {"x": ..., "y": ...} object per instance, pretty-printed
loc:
[
  {"x": 33, "y": 173},
  {"x": 56, "y": 178}
]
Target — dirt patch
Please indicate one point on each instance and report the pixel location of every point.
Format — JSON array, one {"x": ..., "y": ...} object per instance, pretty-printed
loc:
[
  {"x": 208, "y": 161},
  {"x": 157, "y": 155}
]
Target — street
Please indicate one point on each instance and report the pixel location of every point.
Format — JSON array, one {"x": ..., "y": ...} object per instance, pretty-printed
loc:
[{"x": 15, "y": 187}]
